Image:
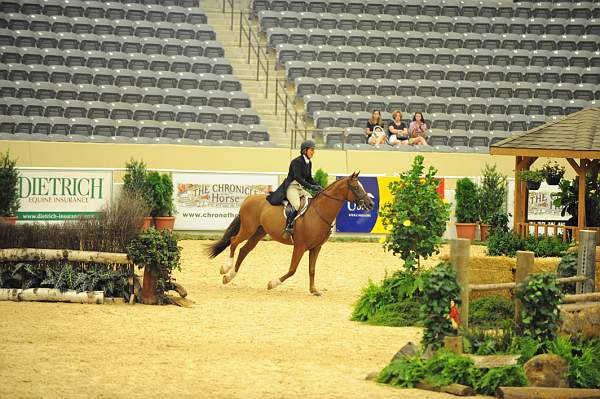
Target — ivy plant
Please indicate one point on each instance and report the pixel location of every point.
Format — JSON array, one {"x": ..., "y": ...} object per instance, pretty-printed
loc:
[
  {"x": 439, "y": 288},
  {"x": 159, "y": 251},
  {"x": 416, "y": 218},
  {"x": 567, "y": 267},
  {"x": 540, "y": 297}
]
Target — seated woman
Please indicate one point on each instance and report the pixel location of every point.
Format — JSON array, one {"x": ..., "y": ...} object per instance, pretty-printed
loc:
[
  {"x": 417, "y": 129},
  {"x": 397, "y": 130},
  {"x": 374, "y": 131}
]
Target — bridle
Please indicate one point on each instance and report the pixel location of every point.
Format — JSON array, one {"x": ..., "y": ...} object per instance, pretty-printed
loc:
[{"x": 359, "y": 200}]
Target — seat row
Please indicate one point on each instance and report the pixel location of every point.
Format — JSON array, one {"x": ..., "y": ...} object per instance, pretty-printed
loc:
[
  {"x": 101, "y": 26},
  {"x": 504, "y": 91},
  {"x": 69, "y": 91},
  {"x": 111, "y": 43},
  {"x": 108, "y": 10},
  {"x": 117, "y": 77},
  {"x": 118, "y": 110},
  {"x": 114, "y": 60},
  {"x": 413, "y": 39},
  {"x": 27, "y": 128},
  {"x": 513, "y": 123},
  {"x": 435, "y": 72},
  {"x": 450, "y": 8},
  {"x": 423, "y": 23},
  {"x": 473, "y": 105},
  {"x": 440, "y": 56}
]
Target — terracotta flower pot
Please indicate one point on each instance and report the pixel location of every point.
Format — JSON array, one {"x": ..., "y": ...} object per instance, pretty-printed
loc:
[
  {"x": 9, "y": 219},
  {"x": 164, "y": 222},
  {"x": 147, "y": 222},
  {"x": 484, "y": 231},
  {"x": 466, "y": 230}
]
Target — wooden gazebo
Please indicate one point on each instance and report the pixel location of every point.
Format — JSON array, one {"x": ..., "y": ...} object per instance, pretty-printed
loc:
[{"x": 577, "y": 136}]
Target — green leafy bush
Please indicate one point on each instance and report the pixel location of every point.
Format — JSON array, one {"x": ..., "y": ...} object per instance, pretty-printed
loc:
[
  {"x": 161, "y": 194},
  {"x": 567, "y": 268},
  {"x": 508, "y": 376},
  {"x": 540, "y": 297},
  {"x": 416, "y": 218},
  {"x": 531, "y": 175},
  {"x": 439, "y": 288},
  {"x": 467, "y": 201},
  {"x": 492, "y": 194},
  {"x": 504, "y": 243},
  {"x": 545, "y": 246},
  {"x": 403, "y": 372},
  {"x": 9, "y": 178},
  {"x": 568, "y": 199},
  {"x": 507, "y": 243},
  {"x": 445, "y": 368},
  {"x": 159, "y": 251},
  {"x": 490, "y": 311},
  {"x": 393, "y": 303},
  {"x": 583, "y": 358}
]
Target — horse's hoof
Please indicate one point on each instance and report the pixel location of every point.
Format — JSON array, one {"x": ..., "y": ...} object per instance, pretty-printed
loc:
[
  {"x": 316, "y": 293},
  {"x": 225, "y": 280},
  {"x": 225, "y": 269},
  {"x": 273, "y": 283}
]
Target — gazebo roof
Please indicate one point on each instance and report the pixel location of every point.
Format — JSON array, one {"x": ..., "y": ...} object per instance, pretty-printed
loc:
[{"x": 575, "y": 136}]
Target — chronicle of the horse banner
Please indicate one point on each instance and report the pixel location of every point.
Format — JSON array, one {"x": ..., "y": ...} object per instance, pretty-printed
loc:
[
  {"x": 209, "y": 201},
  {"x": 353, "y": 220}
]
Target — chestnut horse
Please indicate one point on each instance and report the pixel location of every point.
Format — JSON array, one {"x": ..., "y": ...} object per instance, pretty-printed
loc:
[{"x": 258, "y": 218}]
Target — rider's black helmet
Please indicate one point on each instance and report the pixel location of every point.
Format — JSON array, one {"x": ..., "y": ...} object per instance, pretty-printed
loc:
[{"x": 306, "y": 145}]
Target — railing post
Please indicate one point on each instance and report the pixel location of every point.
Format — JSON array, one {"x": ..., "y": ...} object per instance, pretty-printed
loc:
[
  {"x": 285, "y": 114},
  {"x": 257, "y": 61},
  {"x": 524, "y": 268},
  {"x": 459, "y": 257},
  {"x": 241, "y": 28},
  {"x": 231, "y": 24},
  {"x": 224, "y": 6},
  {"x": 586, "y": 261},
  {"x": 276, "y": 94},
  {"x": 249, "y": 42},
  {"x": 267, "y": 81}
]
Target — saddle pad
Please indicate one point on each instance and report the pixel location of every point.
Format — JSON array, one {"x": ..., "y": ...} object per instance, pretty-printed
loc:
[{"x": 287, "y": 208}]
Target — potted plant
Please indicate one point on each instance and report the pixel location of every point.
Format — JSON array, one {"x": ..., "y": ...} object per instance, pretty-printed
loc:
[
  {"x": 9, "y": 195},
  {"x": 492, "y": 195},
  {"x": 533, "y": 178},
  {"x": 161, "y": 189},
  {"x": 467, "y": 208},
  {"x": 157, "y": 252},
  {"x": 553, "y": 172},
  {"x": 135, "y": 183}
]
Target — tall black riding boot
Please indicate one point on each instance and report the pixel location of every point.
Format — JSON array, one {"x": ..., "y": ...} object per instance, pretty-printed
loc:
[{"x": 289, "y": 226}]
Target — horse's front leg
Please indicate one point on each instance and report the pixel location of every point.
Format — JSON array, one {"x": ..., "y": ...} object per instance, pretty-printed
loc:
[
  {"x": 296, "y": 256},
  {"x": 313, "y": 254}
]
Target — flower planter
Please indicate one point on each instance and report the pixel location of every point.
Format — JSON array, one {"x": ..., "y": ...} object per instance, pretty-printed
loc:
[
  {"x": 466, "y": 230},
  {"x": 533, "y": 185},
  {"x": 149, "y": 288},
  {"x": 8, "y": 219},
  {"x": 484, "y": 231},
  {"x": 552, "y": 180},
  {"x": 164, "y": 222},
  {"x": 146, "y": 223}
]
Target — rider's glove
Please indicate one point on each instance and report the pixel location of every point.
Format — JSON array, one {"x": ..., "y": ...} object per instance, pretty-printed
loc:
[{"x": 316, "y": 188}]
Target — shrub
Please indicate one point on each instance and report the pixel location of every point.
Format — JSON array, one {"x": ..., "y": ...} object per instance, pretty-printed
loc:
[
  {"x": 507, "y": 243},
  {"x": 492, "y": 194},
  {"x": 501, "y": 242},
  {"x": 490, "y": 311},
  {"x": 583, "y": 358},
  {"x": 416, "y": 219},
  {"x": 467, "y": 201},
  {"x": 439, "y": 287},
  {"x": 530, "y": 175},
  {"x": 567, "y": 268},
  {"x": 158, "y": 251},
  {"x": 161, "y": 189},
  {"x": 540, "y": 297},
  {"x": 508, "y": 376},
  {"x": 9, "y": 178}
]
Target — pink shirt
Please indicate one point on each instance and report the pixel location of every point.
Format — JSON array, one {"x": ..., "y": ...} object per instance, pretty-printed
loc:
[{"x": 417, "y": 130}]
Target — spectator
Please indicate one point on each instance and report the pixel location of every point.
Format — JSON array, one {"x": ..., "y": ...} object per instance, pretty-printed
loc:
[
  {"x": 397, "y": 130},
  {"x": 374, "y": 131},
  {"x": 417, "y": 129}
]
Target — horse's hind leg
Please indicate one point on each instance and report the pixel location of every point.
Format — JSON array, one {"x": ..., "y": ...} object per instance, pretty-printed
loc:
[
  {"x": 249, "y": 246},
  {"x": 246, "y": 231}
]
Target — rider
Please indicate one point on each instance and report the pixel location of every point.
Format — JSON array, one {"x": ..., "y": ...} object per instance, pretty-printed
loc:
[{"x": 299, "y": 177}]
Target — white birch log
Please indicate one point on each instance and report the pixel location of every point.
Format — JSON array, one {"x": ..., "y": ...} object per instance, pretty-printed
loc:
[
  {"x": 52, "y": 295},
  {"x": 36, "y": 254}
]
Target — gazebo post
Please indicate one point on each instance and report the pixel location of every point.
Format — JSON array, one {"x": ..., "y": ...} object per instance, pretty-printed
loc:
[
  {"x": 521, "y": 191},
  {"x": 581, "y": 171}
]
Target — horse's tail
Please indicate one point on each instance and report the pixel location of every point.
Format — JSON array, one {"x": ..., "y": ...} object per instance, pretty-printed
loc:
[{"x": 218, "y": 247}]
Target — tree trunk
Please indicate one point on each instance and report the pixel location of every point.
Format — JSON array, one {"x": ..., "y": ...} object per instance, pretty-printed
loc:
[
  {"x": 546, "y": 393},
  {"x": 149, "y": 296},
  {"x": 37, "y": 254},
  {"x": 51, "y": 295}
]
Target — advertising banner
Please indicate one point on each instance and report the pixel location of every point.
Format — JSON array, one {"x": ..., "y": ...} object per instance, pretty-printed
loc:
[
  {"x": 540, "y": 204},
  {"x": 352, "y": 220},
  {"x": 210, "y": 201},
  {"x": 56, "y": 195}
]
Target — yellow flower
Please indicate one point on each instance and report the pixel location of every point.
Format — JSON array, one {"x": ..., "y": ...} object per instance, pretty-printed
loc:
[
  {"x": 445, "y": 201},
  {"x": 592, "y": 191},
  {"x": 382, "y": 240},
  {"x": 389, "y": 227},
  {"x": 407, "y": 223}
]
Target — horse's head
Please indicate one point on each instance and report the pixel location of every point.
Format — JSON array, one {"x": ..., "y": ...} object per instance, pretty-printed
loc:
[{"x": 357, "y": 193}]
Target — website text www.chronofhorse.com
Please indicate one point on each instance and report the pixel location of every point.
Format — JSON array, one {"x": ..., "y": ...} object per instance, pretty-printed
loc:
[{"x": 208, "y": 214}]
